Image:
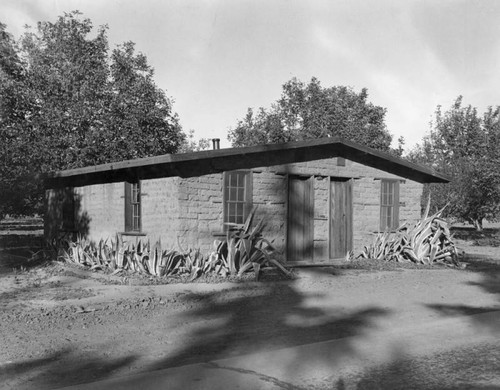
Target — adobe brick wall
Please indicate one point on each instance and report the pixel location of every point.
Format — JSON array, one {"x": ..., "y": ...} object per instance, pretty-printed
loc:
[
  {"x": 189, "y": 211},
  {"x": 270, "y": 198},
  {"x": 99, "y": 210},
  {"x": 103, "y": 205},
  {"x": 200, "y": 219},
  {"x": 366, "y": 200},
  {"x": 366, "y": 206},
  {"x": 160, "y": 210},
  {"x": 200, "y": 212}
]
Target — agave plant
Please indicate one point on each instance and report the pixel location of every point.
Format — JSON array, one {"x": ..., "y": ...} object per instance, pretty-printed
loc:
[
  {"x": 195, "y": 264},
  {"x": 245, "y": 249},
  {"x": 142, "y": 257},
  {"x": 426, "y": 242},
  {"x": 79, "y": 252}
]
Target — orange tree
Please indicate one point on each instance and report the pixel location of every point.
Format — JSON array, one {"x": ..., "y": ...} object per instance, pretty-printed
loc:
[
  {"x": 464, "y": 146},
  {"x": 68, "y": 102}
]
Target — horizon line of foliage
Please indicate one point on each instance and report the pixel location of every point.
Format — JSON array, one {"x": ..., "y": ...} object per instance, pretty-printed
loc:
[
  {"x": 310, "y": 111},
  {"x": 67, "y": 101},
  {"x": 464, "y": 146}
]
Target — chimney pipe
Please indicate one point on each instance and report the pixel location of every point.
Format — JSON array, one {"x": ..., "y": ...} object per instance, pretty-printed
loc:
[{"x": 216, "y": 143}]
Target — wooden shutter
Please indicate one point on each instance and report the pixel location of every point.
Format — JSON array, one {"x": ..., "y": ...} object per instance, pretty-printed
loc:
[
  {"x": 300, "y": 226},
  {"x": 340, "y": 218},
  {"x": 349, "y": 215},
  {"x": 248, "y": 193},
  {"x": 395, "y": 223},
  {"x": 128, "y": 207}
]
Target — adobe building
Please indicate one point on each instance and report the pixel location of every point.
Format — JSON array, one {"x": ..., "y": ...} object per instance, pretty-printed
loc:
[{"x": 319, "y": 199}]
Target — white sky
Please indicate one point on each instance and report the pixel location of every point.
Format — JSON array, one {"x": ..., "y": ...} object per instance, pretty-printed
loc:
[{"x": 217, "y": 58}]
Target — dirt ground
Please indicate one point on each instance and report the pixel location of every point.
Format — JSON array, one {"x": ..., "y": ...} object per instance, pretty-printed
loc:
[{"x": 62, "y": 325}]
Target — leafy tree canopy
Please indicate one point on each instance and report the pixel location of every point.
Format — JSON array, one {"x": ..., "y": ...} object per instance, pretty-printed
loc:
[
  {"x": 312, "y": 111},
  {"x": 191, "y": 144},
  {"x": 464, "y": 146},
  {"x": 67, "y": 102}
]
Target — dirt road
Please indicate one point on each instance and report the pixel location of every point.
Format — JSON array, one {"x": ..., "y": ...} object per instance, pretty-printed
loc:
[{"x": 62, "y": 327}]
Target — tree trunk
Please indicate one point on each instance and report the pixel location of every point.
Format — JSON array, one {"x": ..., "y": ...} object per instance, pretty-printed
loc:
[{"x": 478, "y": 224}]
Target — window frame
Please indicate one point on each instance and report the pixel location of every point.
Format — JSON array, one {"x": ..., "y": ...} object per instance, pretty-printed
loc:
[
  {"x": 133, "y": 207},
  {"x": 386, "y": 205},
  {"x": 248, "y": 196}
]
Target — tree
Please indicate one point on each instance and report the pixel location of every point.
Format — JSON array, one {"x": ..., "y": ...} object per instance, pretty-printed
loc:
[
  {"x": 67, "y": 74},
  {"x": 16, "y": 109},
  {"x": 191, "y": 144},
  {"x": 312, "y": 111},
  {"x": 465, "y": 147},
  {"x": 140, "y": 116},
  {"x": 67, "y": 103}
]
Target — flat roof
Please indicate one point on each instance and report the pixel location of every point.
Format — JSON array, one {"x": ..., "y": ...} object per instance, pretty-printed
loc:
[{"x": 215, "y": 161}]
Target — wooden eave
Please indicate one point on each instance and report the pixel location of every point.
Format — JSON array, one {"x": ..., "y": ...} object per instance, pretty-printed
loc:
[{"x": 215, "y": 161}]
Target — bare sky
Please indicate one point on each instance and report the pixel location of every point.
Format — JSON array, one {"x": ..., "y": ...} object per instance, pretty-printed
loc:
[{"x": 217, "y": 58}]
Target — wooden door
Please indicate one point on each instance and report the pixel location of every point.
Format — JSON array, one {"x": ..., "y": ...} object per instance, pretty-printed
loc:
[
  {"x": 340, "y": 218},
  {"x": 300, "y": 227}
]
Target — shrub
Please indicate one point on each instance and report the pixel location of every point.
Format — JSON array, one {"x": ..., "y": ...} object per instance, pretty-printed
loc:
[
  {"x": 118, "y": 256},
  {"x": 425, "y": 242},
  {"x": 245, "y": 249}
]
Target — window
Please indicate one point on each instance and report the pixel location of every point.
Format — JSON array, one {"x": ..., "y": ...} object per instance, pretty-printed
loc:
[
  {"x": 237, "y": 196},
  {"x": 133, "y": 207},
  {"x": 389, "y": 205}
]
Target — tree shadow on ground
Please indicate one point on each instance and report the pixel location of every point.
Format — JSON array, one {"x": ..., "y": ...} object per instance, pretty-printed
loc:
[
  {"x": 464, "y": 367},
  {"x": 489, "y": 270},
  {"x": 258, "y": 318},
  {"x": 22, "y": 259},
  {"x": 444, "y": 371},
  {"x": 59, "y": 369}
]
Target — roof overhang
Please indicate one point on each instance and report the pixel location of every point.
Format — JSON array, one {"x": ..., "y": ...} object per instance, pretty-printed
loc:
[{"x": 215, "y": 161}]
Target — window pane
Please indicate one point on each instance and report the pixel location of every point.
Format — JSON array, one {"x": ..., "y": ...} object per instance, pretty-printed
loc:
[
  {"x": 239, "y": 210},
  {"x": 232, "y": 211},
  {"x": 132, "y": 206},
  {"x": 241, "y": 194},
  {"x": 135, "y": 192},
  {"x": 389, "y": 204},
  {"x": 233, "y": 179},
  {"x": 235, "y": 197},
  {"x": 389, "y": 218}
]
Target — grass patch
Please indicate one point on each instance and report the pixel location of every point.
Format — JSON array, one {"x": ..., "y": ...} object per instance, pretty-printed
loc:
[
  {"x": 486, "y": 237},
  {"x": 383, "y": 265}
]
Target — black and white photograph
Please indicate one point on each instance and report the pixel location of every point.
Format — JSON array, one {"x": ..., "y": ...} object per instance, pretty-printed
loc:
[{"x": 249, "y": 194}]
